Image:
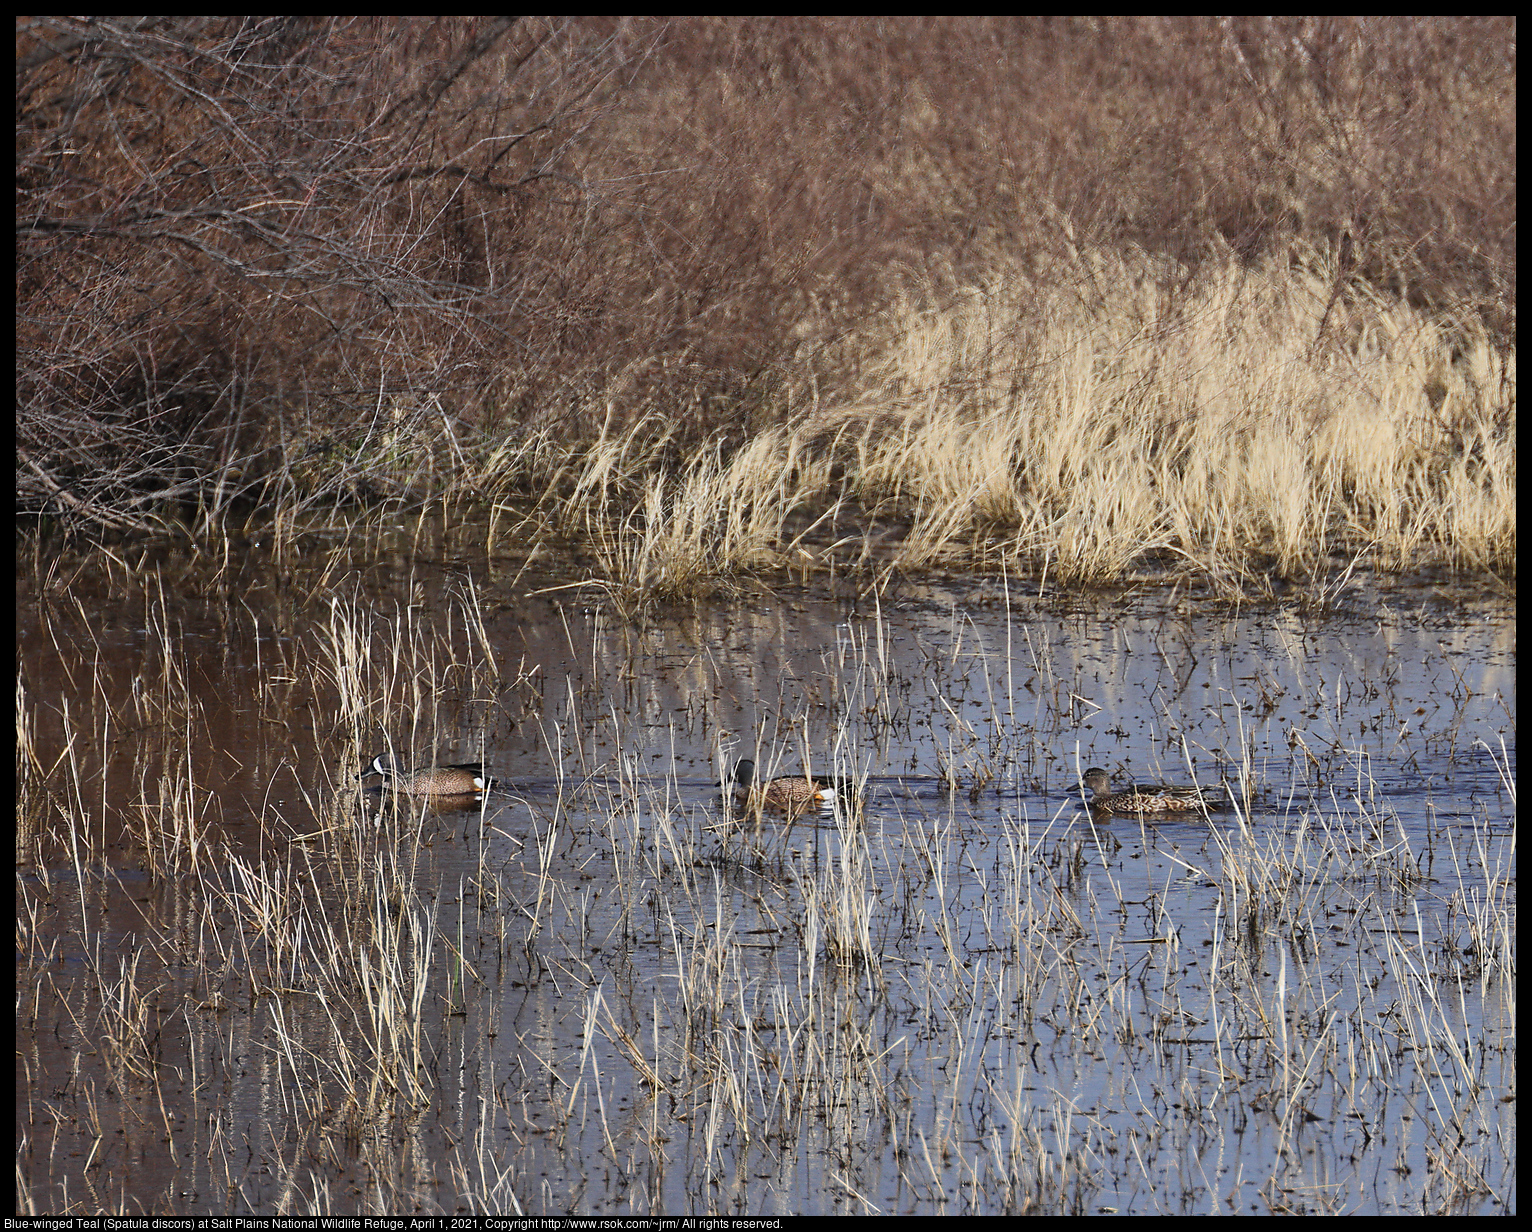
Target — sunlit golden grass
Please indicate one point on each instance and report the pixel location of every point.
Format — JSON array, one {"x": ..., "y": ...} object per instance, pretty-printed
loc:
[
  {"x": 1095, "y": 417},
  {"x": 1083, "y": 423},
  {"x": 1093, "y": 422},
  {"x": 663, "y": 531},
  {"x": 1095, "y": 427},
  {"x": 694, "y": 530}
]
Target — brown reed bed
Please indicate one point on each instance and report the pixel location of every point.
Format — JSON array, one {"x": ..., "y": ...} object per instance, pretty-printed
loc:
[
  {"x": 1085, "y": 426},
  {"x": 627, "y": 286}
]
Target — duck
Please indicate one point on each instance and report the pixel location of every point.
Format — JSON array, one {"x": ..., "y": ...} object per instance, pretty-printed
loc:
[
  {"x": 792, "y": 794},
  {"x": 1147, "y": 799},
  {"x": 462, "y": 779}
]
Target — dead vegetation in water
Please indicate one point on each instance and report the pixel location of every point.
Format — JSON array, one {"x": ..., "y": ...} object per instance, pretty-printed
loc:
[
  {"x": 915, "y": 1001},
  {"x": 317, "y": 930}
]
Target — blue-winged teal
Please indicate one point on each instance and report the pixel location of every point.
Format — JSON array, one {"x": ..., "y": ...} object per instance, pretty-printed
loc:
[
  {"x": 793, "y": 794},
  {"x": 1147, "y": 799},
  {"x": 466, "y": 779}
]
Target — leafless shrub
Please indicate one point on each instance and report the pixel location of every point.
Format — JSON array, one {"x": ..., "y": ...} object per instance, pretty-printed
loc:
[
  {"x": 238, "y": 234},
  {"x": 286, "y": 256}
]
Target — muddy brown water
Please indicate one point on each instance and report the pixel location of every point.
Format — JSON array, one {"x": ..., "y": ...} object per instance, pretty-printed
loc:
[{"x": 246, "y": 986}]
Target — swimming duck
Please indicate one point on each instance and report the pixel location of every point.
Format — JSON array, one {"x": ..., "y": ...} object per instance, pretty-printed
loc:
[
  {"x": 464, "y": 779},
  {"x": 1147, "y": 799},
  {"x": 792, "y": 794}
]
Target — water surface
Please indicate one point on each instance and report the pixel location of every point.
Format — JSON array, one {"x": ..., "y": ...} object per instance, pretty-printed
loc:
[{"x": 246, "y": 987}]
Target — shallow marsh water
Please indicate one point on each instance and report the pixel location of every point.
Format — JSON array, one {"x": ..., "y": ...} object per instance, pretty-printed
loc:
[{"x": 245, "y": 986}]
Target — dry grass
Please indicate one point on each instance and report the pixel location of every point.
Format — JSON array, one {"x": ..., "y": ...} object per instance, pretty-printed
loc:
[
  {"x": 1238, "y": 425},
  {"x": 1229, "y": 295},
  {"x": 908, "y": 1007},
  {"x": 694, "y": 531},
  {"x": 1089, "y": 424}
]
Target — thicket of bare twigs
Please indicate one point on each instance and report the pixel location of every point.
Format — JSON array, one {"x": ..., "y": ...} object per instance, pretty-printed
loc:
[{"x": 271, "y": 262}]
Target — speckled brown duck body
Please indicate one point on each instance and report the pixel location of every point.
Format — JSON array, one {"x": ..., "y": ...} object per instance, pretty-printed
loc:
[
  {"x": 790, "y": 794},
  {"x": 1147, "y": 799},
  {"x": 463, "y": 779}
]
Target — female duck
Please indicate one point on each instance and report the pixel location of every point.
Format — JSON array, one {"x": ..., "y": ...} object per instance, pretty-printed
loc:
[
  {"x": 1147, "y": 799},
  {"x": 791, "y": 794}
]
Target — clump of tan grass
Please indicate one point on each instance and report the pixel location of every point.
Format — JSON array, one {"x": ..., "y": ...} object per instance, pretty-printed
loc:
[
  {"x": 1087, "y": 418},
  {"x": 1096, "y": 418},
  {"x": 668, "y": 530}
]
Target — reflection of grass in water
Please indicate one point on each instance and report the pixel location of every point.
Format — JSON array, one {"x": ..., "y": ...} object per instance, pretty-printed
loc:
[
  {"x": 916, "y": 990},
  {"x": 328, "y": 916},
  {"x": 1274, "y": 895}
]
